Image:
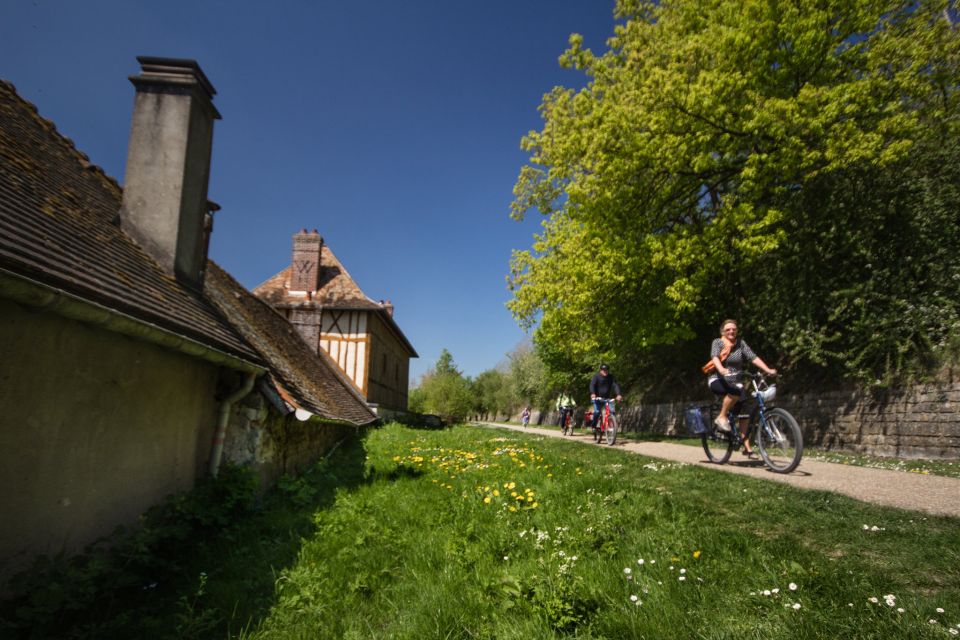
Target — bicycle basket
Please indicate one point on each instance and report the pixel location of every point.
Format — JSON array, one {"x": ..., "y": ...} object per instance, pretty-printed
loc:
[
  {"x": 695, "y": 422},
  {"x": 768, "y": 394}
]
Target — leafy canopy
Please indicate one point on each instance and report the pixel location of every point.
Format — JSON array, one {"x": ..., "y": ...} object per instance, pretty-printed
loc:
[{"x": 709, "y": 136}]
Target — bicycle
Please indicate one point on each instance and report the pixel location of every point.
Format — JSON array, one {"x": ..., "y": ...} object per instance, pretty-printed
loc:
[
  {"x": 566, "y": 424},
  {"x": 606, "y": 427},
  {"x": 775, "y": 432}
]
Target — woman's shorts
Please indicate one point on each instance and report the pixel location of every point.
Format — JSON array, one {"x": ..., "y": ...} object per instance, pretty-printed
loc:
[{"x": 722, "y": 387}]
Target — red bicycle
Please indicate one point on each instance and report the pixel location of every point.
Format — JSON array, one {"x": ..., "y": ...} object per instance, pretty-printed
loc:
[{"x": 606, "y": 427}]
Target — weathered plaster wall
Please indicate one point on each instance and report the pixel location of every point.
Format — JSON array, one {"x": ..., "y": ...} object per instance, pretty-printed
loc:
[{"x": 94, "y": 428}]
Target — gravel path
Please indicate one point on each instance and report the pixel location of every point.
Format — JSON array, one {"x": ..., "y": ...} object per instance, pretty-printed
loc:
[{"x": 932, "y": 494}]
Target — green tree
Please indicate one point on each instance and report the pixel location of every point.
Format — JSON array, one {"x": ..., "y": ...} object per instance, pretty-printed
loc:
[
  {"x": 718, "y": 142},
  {"x": 443, "y": 391},
  {"x": 488, "y": 393}
]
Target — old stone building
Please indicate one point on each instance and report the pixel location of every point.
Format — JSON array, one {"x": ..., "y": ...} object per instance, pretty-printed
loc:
[{"x": 334, "y": 316}]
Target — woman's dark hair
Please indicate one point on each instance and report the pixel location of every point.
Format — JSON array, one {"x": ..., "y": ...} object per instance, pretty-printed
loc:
[{"x": 726, "y": 322}]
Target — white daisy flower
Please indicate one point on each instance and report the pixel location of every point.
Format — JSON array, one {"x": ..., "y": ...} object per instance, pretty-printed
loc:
[{"x": 793, "y": 586}]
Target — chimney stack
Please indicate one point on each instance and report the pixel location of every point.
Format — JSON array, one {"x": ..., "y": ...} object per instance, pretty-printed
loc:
[
  {"x": 165, "y": 204},
  {"x": 305, "y": 267}
]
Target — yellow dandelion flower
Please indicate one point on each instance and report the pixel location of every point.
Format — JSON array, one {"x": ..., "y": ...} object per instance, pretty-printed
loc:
[
  {"x": 535, "y": 505},
  {"x": 696, "y": 554},
  {"x": 496, "y": 492},
  {"x": 521, "y": 498},
  {"x": 512, "y": 485},
  {"x": 513, "y": 509},
  {"x": 549, "y": 475},
  {"x": 486, "y": 500}
]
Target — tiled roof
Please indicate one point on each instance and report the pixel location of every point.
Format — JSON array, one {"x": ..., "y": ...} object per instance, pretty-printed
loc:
[
  {"x": 335, "y": 287},
  {"x": 59, "y": 225},
  {"x": 335, "y": 290},
  {"x": 313, "y": 380}
]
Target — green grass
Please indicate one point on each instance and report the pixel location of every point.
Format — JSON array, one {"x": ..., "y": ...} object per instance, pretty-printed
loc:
[
  {"x": 416, "y": 534},
  {"x": 434, "y": 545},
  {"x": 948, "y": 468}
]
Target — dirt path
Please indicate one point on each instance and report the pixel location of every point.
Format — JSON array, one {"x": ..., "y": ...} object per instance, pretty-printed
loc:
[{"x": 933, "y": 494}]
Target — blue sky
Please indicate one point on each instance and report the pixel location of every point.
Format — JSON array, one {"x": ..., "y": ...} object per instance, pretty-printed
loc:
[{"x": 393, "y": 128}]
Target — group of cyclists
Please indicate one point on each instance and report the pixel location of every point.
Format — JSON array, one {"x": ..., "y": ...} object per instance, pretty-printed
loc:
[{"x": 729, "y": 355}]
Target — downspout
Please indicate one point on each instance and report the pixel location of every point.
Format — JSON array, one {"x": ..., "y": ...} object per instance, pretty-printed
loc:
[{"x": 221, "y": 433}]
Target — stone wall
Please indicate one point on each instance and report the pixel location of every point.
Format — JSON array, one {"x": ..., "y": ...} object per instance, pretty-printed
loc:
[
  {"x": 276, "y": 445},
  {"x": 917, "y": 422}
]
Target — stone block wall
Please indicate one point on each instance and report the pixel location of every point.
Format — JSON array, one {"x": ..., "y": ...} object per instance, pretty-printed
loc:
[{"x": 276, "y": 445}]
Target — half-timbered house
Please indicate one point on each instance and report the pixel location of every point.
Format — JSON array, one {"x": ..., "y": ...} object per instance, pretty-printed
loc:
[{"x": 318, "y": 296}]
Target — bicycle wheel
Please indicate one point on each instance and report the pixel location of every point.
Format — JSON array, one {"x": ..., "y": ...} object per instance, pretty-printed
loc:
[
  {"x": 611, "y": 431},
  {"x": 717, "y": 445},
  {"x": 780, "y": 441}
]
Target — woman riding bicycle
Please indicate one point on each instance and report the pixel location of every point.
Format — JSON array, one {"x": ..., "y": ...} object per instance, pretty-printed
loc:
[{"x": 728, "y": 356}]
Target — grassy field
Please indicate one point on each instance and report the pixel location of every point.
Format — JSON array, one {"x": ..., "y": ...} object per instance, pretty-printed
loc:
[
  {"x": 482, "y": 533},
  {"x": 476, "y": 533}
]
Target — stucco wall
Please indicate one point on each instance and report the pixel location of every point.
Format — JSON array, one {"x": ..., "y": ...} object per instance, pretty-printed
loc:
[{"x": 96, "y": 427}]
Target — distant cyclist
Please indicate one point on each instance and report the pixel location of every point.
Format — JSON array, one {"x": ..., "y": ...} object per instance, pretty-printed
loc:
[
  {"x": 565, "y": 405},
  {"x": 602, "y": 386}
]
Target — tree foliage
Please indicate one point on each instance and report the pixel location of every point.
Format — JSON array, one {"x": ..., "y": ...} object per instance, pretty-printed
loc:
[
  {"x": 443, "y": 391},
  {"x": 790, "y": 164}
]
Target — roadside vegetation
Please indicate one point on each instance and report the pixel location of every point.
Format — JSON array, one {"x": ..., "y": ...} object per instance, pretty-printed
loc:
[{"x": 477, "y": 533}]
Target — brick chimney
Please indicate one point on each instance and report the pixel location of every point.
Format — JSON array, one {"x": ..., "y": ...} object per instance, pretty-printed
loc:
[
  {"x": 165, "y": 204},
  {"x": 305, "y": 267}
]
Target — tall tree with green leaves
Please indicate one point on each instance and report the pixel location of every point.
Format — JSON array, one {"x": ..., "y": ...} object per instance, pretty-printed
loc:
[
  {"x": 707, "y": 170},
  {"x": 444, "y": 391}
]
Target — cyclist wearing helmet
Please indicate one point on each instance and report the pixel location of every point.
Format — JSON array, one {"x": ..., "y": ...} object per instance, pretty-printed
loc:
[
  {"x": 729, "y": 354},
  {"x": 602, "y": 386}
]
